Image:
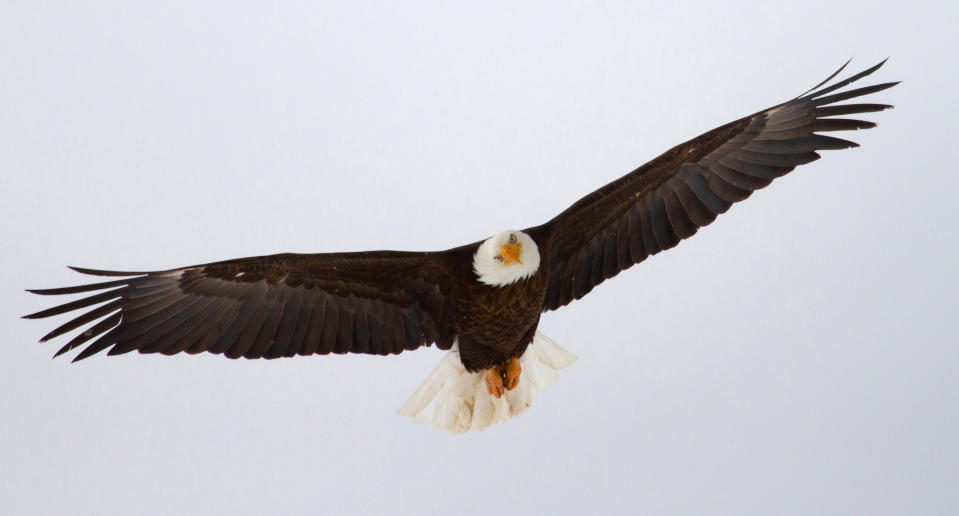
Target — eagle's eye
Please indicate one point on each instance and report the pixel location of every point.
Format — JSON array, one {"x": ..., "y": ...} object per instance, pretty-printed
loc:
[
  {"x": 512, "y": 238},
  {"x": 499, "y": 257}
]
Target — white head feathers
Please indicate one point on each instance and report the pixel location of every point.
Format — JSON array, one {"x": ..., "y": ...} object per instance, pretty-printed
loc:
[{"x": 506, "y": 258}]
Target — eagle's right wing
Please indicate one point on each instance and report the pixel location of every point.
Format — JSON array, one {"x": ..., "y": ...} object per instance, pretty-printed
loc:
[{"x": 379, "y": 302}]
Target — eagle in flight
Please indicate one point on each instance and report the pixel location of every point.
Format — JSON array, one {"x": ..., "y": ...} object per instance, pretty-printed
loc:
[{"x": 482, "y": 301}]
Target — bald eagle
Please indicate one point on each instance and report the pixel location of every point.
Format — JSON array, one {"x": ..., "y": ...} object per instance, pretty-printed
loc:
[{"x": 482, "y": 301}]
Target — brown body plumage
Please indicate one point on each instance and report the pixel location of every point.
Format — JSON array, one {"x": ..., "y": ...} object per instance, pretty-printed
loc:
[{"x": 495, "y": 324}]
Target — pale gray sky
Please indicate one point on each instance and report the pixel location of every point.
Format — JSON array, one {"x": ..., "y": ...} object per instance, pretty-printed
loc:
[{"x": 798, "y": 356}]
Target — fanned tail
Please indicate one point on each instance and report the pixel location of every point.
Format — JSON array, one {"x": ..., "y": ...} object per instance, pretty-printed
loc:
[{"x": 454, "y": 399}]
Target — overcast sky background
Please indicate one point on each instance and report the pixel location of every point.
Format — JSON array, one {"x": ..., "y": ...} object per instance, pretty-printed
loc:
[{"x": 798, "y": 356}]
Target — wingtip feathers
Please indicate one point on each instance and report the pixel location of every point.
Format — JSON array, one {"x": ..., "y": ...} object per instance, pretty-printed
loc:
[{"x": 100, "y": 272}]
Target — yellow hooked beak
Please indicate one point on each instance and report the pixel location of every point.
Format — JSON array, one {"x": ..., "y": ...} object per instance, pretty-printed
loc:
[{"x": 510, "y": 253}]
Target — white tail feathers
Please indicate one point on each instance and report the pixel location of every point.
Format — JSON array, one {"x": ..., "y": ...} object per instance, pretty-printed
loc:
[{"x": 455, "y": 399}]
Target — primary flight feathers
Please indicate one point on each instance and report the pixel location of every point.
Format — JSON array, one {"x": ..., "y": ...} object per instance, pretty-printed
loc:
[{"x": 486, "y": 297}]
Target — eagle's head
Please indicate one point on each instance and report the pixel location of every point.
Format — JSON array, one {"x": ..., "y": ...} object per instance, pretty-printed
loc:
[{"x": 506, "y": 258}]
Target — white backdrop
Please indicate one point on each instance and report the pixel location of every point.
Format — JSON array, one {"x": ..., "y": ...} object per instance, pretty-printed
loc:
[{"x": 798, "y": 356}]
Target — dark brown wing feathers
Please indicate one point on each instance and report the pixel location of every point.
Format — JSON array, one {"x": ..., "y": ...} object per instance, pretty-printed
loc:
[
  {"x": 271, "y": 306},
  {"x": 668, "y": 199},
  {"x": 385, "y": 302}
]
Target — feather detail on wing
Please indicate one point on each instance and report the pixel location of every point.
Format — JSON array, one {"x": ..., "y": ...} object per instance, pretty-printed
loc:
[
  {"x": 271, "y": 306},
  {"x": 668, "y": 199}
]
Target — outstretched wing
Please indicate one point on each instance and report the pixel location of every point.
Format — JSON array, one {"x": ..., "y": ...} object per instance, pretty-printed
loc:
[
  {"x": 668, "y": 199},
  {"x": 380, "y": 302}
]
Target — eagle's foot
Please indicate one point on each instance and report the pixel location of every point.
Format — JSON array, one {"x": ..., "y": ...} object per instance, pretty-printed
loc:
[
  {"x": 504, "y": 377},
  {"x": 494, "y": 382},
  {"x": 511, "y": 373}
]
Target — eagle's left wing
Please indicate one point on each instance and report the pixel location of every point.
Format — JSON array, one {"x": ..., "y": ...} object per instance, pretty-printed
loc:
[{"x": 668, "y": 199}]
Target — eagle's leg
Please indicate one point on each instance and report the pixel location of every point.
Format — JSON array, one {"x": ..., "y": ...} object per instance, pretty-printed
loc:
[
  {"x": 494, "y": 382},
  {"x": 511, "y": 373}
]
